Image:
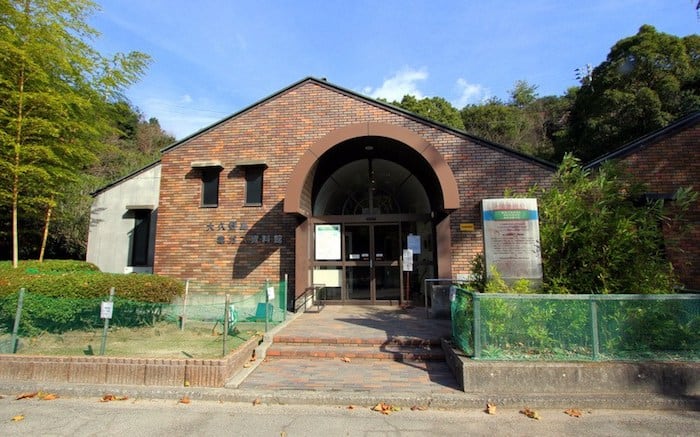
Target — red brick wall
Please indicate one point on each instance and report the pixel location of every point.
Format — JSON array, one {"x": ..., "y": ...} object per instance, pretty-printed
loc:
[
  {"x": 129, "y": 371},
  {"x": 279, "y": 131},
  {"x": 666, "y": 165}
]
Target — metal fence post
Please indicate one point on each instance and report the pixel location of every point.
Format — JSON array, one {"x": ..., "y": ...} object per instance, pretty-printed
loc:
[
  {"x": 476, "y": 330},
  {"x": 227, "y": 320},
  {"x": 286, "y": 288},
  {"x": 18, "y": 316},
  {"x": 183, "y": 316},
  {"x": 267, "y": 302},
  {"x": 594, "y": 327}
]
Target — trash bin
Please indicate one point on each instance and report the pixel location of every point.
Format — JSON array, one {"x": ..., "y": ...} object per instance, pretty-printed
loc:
[{"x": 440, "y": 302}]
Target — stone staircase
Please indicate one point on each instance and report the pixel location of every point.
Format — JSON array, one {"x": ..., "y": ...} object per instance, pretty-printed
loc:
[{"x": 402, "y": 349}]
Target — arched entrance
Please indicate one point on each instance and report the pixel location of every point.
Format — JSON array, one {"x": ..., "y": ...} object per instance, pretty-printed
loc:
[{"x": 363, "y": 194}]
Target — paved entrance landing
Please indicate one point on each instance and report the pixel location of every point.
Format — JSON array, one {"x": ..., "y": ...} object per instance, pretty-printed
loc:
[{"x": 357, "y": 348}]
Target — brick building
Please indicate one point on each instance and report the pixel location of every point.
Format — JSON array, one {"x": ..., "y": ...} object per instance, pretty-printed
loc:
[
  {"x": 315, "y": 182},
  {"x": 666, "y": 160}
]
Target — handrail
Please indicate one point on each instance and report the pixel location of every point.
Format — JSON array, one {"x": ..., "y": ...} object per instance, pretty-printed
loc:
[
  {"x": 309, "y": 295},
  {"x": 302, "y": 300}
]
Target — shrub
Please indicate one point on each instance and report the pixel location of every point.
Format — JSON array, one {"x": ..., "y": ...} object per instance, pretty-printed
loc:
[
  {"x": 49, "y": 266},
  {"x": 599, "y": 234},
  {"x": 63, "y": 295},
  {"x": 76, "y": 281}
]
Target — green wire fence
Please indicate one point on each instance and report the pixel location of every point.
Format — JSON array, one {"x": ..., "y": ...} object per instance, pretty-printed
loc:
[{"x": 499, "y": 326}]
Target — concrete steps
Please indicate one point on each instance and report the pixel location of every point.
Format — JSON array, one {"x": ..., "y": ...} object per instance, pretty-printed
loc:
[{"x": 397, "y": 348}]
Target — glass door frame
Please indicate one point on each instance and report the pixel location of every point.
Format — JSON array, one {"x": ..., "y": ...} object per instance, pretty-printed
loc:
[
  {"x": 376, "y": 261},
  {"x": 340, "y": 265}
]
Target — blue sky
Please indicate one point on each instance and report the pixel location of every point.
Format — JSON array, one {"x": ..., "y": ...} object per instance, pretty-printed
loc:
[{"x": 212, "y": 58}]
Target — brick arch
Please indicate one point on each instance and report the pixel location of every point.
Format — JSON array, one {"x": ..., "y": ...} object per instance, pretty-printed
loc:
[{"x": 297, "y": 198}]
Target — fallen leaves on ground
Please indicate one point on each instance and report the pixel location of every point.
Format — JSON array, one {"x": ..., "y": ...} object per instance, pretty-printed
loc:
[
  {"x": 490, "y": 409},
  {"x": 38, "y": 394},
  {"x": 419, "y": 408},
  {"x": 573, "y": 412},
  {"x": 256, "y": 402},
  {"x": 185, "y": 400},
  {"x": 532, "y": 414},
  {"x": 385, "y": 408},
  {"x": 351, "y": 407},
  {"x": 345, "y": 359},
  {"x": 110, "y": 397},
  {"x": 17, "y": 418}
]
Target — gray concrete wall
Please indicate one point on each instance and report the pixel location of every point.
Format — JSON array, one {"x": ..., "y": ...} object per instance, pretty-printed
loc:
[
  {"x": 112, "y": 225},
  {"x": 672, "y": 379}
]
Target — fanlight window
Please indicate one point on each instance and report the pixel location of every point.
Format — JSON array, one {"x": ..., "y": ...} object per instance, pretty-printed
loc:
[{"x": 371, "y": 187}]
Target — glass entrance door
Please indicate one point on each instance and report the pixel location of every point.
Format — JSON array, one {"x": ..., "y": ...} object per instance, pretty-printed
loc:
[{"x": 372, "y": 255}]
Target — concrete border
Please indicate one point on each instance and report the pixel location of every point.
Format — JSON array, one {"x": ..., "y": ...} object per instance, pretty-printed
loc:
[{"x": 640, "y": 384}]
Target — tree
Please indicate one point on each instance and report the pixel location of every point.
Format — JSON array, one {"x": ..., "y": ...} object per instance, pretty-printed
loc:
[
  {"x": 433, "y": 108},
  {"x": 647, "y": 81},
  {"x": 523, "y": 94},
  {"x": 600, "y": 235},
  {"x": 54, "y": 90},
  {"x": 526, "y": 122}
]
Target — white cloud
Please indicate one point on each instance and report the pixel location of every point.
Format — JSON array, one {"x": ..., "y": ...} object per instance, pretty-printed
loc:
[
  {"x": 186, "y": 99},
  {"x": 470, "y": 93},
  {"x": 402, "y": 83}
]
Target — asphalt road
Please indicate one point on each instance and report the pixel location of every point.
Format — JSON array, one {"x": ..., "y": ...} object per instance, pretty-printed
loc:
[{"x": 136, "y": 417}]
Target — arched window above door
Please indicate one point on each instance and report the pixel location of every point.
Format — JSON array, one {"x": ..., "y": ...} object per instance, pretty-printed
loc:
[{"x": 371, "y": 186}]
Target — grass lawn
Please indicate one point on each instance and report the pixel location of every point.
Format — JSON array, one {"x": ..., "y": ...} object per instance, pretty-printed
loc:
[{"x": 164, "y": 340}]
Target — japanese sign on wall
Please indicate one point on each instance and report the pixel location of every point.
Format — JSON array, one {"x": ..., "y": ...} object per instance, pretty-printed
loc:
[
  {"x": 234, "y": 232},
  {"x": 512, "y": 238}
]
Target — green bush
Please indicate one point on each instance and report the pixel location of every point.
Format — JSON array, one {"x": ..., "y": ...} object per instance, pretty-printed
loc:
[
  {"x": 65, "y": 295},
  {"x": 599, "y": 234},
  {"x": 48, "y": 266},
  {"x": 79, "y": 282}
]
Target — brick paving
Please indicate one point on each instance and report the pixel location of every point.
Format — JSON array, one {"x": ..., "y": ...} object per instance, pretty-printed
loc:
[{"x": 364, "y": 326}]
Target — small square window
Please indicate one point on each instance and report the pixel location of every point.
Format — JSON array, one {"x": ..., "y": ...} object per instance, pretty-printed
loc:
[
  {"x": 210, "y": 187},
  {"x": 254, "y": 185}
]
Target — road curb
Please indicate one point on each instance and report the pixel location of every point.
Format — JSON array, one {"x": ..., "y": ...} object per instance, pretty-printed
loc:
[{"x": 457, "y": 400}]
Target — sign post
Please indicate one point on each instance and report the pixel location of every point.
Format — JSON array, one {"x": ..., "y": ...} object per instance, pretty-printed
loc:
[
  {"x": 106, "y": 309},
  {"x": 269, "y": 295},
  {"x": 407, "y": 266},
  {"x": 18, "y": 316}
]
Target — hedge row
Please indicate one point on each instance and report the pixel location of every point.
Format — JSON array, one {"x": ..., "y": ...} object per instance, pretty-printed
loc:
[
  {"x": 50, "y": 314},
  {"x": 65, "y": 295},
  {"x": 80, "y": 280},
  {"x": 48, "y": 266}
]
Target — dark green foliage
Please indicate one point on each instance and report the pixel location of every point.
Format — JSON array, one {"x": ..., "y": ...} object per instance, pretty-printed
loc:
[
  {"x": 542, "y": 328},
  {"x": 65, "y": 295},
  {"x": 647, "y": 81},
  {"x": 433, "y": 108},
  {"x": 634, "y": 327},
  {"x": 599, "y": 234},
  {"x": 48, "y": 266},
  {"x": 78, "y": 279},
  {"x": 526, "y": 122},
  {"x": 41, "y": 313}
]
